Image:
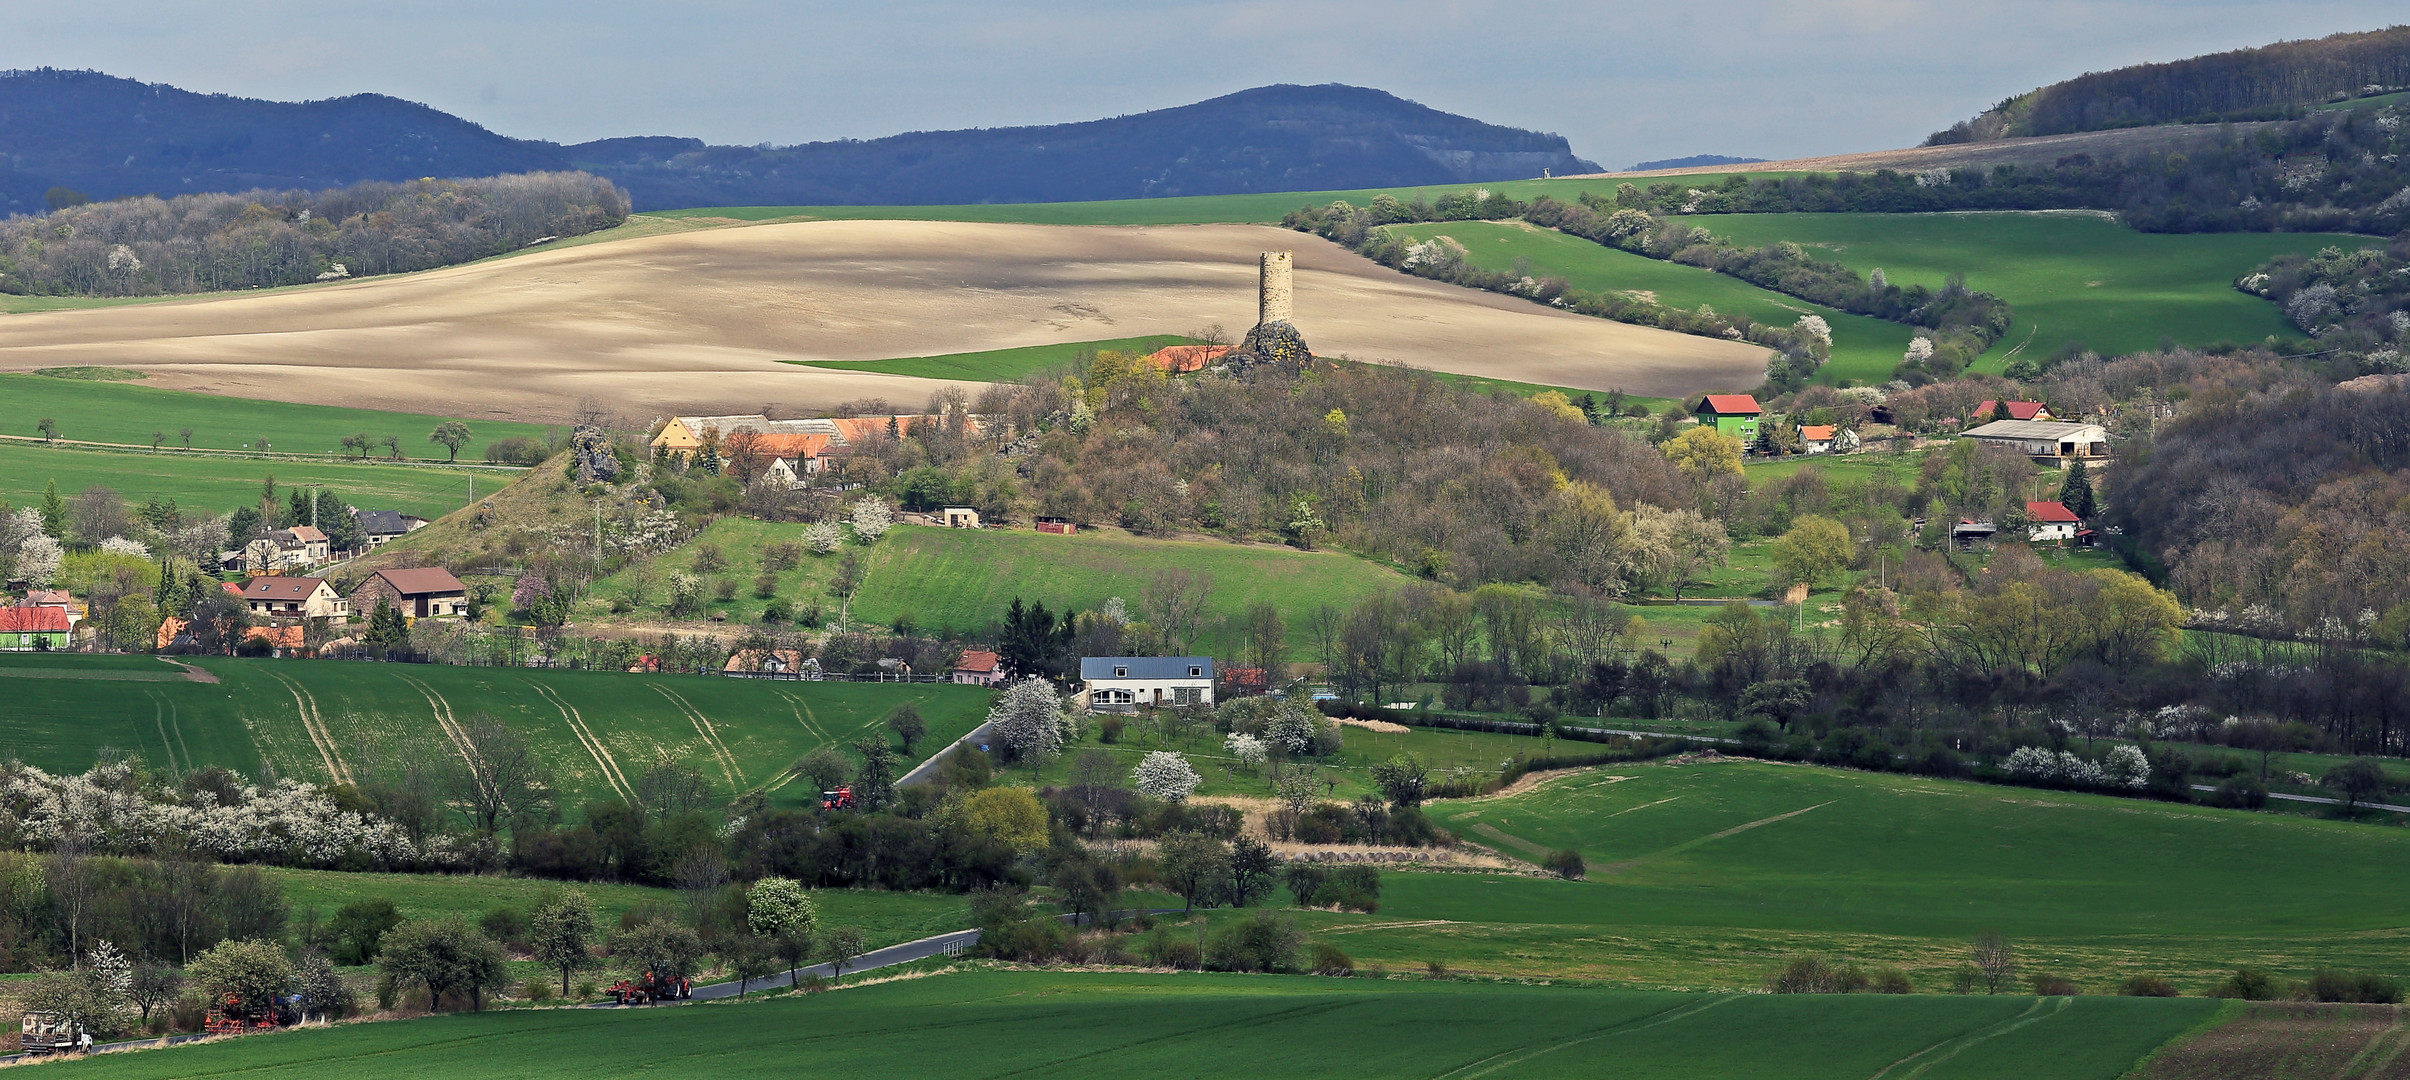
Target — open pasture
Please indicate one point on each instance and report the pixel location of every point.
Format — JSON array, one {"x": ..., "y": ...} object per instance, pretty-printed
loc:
[
  {"x": 963, "y": 579},
  {"x": 2071, "y": 275},
  {"x": 596, "y": 732},
  {"x": 1001, "y": 365},
  {"x": 1040, "y": 1024},
  {"x": 1714, "y": 874},
  {"x": 1864, "y": 349},
  {"x": 214, "y": 484},
  {"x": 98, "y": 410}
]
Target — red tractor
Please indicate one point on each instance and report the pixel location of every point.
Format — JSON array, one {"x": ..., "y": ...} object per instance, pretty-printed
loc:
[
  {"x": 652, "y": 986},
  {"x": 230, "y": 1016},
  {"x": 840, "y": 799}
]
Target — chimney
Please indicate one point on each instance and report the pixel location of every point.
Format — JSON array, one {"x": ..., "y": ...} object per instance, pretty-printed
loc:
[{"x": 1272, "y": 302}]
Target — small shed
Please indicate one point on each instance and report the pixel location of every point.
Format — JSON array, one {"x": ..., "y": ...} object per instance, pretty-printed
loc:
[
  {"x": 1056, "y": 525},
  {"x": 959, "y": 517},
  {"x": 2050, "y": 521}
]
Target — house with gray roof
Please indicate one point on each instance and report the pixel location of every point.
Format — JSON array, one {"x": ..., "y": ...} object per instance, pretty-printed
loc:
[{"x": 1123, "y": 683}]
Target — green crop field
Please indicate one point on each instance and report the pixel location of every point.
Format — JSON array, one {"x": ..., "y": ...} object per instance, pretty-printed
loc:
[
  {"x": 214, "y": 484},
  {"x": 1042, "y": 1024},
  {"x": 962, "y": 579},
  {"x": 100, "y": 410},
  {"x": 1444, "y": 752},
  {"x": 1864, "y": 349},
  {"x": 597, "y": 732},
  {"x": 2072, "y": 276},
  {"x": 1714, "y": 874},
  {"x": 999, "y": 365}
]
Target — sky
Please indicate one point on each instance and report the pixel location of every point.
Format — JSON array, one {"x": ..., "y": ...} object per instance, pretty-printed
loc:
[{"x": 1625, "y": 81}]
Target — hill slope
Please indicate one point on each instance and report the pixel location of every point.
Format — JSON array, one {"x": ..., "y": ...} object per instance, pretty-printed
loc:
[
  {"x": 700, "y": 319},
  {"x": 2263, "y": 83},
  {"x": 109, "y": 137}
]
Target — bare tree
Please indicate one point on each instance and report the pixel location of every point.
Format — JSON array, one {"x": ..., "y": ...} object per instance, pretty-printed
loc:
[
  {"x": 1267, "y": 637},
  {"x": 1324, "y": 624},
  {"x": 1175, "y": 602},
  {"x": 699, "y": 874},
  {"x": 501, "y": 778},
  {"x": 72, "y": 888},
  {"x": 1995, "y": 962}
]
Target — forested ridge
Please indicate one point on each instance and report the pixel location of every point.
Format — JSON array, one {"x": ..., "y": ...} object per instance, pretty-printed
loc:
[
  {"x": 2265, "y": 83},
  {"x": 253, "y": 239}
]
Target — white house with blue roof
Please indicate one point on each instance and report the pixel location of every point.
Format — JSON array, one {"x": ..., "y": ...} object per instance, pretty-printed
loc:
[{"x": 1123, "y": 683}]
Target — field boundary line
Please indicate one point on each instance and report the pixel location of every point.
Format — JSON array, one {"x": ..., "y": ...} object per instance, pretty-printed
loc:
[
  {"x": 587, "y": 738},
  {"x": 314, "y": 723},
  {"x": 719, "y": 751},
  {"x": 1509, "y": 839},
  {"x": 451, "y": 728}
]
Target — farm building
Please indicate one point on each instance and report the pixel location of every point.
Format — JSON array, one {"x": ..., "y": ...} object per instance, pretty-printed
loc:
[
  {"x": 1123, "y": 683},
  {"x": 766, "y": 661},
  {"x": 275, "y": 596},
  {"x": 1967, "y": 534},
  {"x": 2015, "y": 410},
  {"x": 1182, "y": 359},
  {"x": 57, "y": 598},
  {"x": 959, "y": 517},
  {"x": 2051, "y": 521},
  {"x": 1060, "y": 526},
  {"x": 810, "y": 440},
  {"x": 24, "y": 628},
  {"x": 979, "y": 667},
  {"x": 426, "y": 592},
  {"x": 2045, "y": 440},
  {"x": 1732, "y": 414}
]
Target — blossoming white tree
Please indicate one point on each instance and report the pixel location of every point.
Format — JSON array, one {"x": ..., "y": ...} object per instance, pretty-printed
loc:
[
  {"x": 823, "y": 537},
  {"x": 872, "y": 518},
  {"x": 38, "y": 559},
  {"x": 1249, "y": 750},
  {"x": 118, "y": 545},
  {"x": 1920, "y": 349},
  {"x": 1029, "y": 719},
  {"x": 1814, "y": 326},
  {"x": 1165, "y": 775}
]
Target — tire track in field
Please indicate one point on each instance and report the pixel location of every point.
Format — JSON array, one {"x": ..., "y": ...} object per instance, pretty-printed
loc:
[
  {"x": 1957, "y": 1044},
  {"x": 1736, "y": 830},
  {"x": 804, "y": 716},
  {"x": 314, "y": 723},
  {"x": 159, "y": 719},
  {"x": 451, "y": 727},
  {"x": 176, "y": 724},
  {"x": 1518, "y": 1056},
  {"x": 593, "y": 743},
  {"x": 1300, "y": 1012},
  {"x": 710, "y": 734}
]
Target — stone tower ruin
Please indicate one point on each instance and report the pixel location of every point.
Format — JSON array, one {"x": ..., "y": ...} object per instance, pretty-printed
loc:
[
  {"x": 1274, "y": 340},
  {"x": 1273, "y": 295}
]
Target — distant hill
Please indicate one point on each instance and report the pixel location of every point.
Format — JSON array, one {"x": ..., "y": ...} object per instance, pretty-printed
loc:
[
  {"x": 108, "y": 137},
  {"x": 2267, "y": 83},
  {"x": 1694, "y": 161}
]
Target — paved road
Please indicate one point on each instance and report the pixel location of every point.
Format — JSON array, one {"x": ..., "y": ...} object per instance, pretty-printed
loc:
[{"x": 2319, "y": 801}]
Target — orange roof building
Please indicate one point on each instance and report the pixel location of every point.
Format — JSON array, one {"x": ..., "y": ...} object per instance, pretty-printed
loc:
[{"x": 1182, "y": 359}]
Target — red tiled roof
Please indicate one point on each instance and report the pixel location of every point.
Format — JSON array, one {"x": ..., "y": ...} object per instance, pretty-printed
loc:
[
  {"x": 33, "y": 620},
  {"x": 169, "y": 627},
  {"x": 2017, "y": 410},
  {"x": 272, "y": 587},
  {"x": 306, "y": 533},
  {"x": 283, "y": 637},
  {"x": 2050, "y": 513},
  {"x": 1182, "y": 359},
  {"x": 1733, "y": 405},
  {"x": 1819, "y": 433},
  {"x": 977, "y": 661},
  {"x": 54, "y": 597},
  {"x": 787, "y": 446},
  {"x": 419, "y": 580}
]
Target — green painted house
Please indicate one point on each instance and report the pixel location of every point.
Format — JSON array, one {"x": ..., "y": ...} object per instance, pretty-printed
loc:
[
  {"x": 27, "y": 628},
  {"x": 1732, "y": 414}
]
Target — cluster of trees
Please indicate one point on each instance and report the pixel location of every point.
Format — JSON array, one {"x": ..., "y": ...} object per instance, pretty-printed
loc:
[
  {"x": 2356, "y": 303},
  {"x": 212, "y": 242},
  {"x": 2269, "y": 82}
]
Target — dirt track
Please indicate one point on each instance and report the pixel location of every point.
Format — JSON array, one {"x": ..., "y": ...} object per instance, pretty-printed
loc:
[{"x": 699, "y": 320}]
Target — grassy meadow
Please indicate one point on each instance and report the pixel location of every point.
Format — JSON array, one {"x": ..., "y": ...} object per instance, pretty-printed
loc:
[
  {"x": 999, "y": 365},
  {"x": 597, "y": 732},
  {"x": 2071, "y": 275},
  {"x": 1715, "y": 874},
  {"x": 107, "y": 409},
  {"x": 1864, "y": 349},
  {"x": 1012, "y": 1023},
  {"x": 203, "y": 482},
  {"x": 962, "y": 579}
]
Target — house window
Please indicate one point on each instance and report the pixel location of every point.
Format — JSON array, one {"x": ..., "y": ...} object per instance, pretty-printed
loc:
[
  {"x": 1121, "y": 673},
  {"x": 1195, "y": 672},
  {"x": 1114, "y": 697},
  {"x": 1186, "y": 695}
]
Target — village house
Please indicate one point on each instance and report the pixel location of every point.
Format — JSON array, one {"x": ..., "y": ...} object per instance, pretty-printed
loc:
[
  {"x": 1732, "y": 414},
  {"x": 1183, "y": 359},
  {"x": 275, "y": 596},
  {"x": 979, "y": 667},
  {"x": 2045, "y": 440},
  {"x": 1816, "y": 438},
  {"x": 285, "y": 550},
  {"x": 425, "y": 592},
  {"x": 1123, "y": 683},
  {"x": 57, "y": 598},
  {"x": 767, "y": 662},
  {"x": 23, "y": 628},
  {"x": 2016, "y": 410},
  {"x": 2050, "y": 521},
  {"x": 380, "y": 526},
  {"x": 959, "y": 517},
  {"x": 308, "y": 540}
]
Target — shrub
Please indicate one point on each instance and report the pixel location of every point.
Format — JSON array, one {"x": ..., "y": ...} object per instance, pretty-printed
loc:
[
  {"x": 1813, "y": 975},
  {"x": 723, "y": 590},
  {"x": 1163, "y": 949},
  {"x": 2149, "y": 986},
  {"x": 507, "y": 925},
  {"x": 1328, "y": 960},
  {"x": 2055, "y": 986},
  {"x": 587, "y": 990},
  {"x": 776, "y": 611},
  {"x": 1108, "y": 730},
  {"x": 1567, "y": 864},
  {"x": 2245, "y": 984},
  {"x": 516, "y": 450},
  {"x": 1892, "y": 980},
  {"x": 2240, "y": 792},
  {"x": 1261, "y": 942},
  {"x": 537, "y": 990},
  {"x": 2356, "y": 986}
]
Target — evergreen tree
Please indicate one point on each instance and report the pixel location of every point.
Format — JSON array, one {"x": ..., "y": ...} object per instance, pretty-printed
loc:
[
  {"x": 54, "y": 511},
  {"x": 386, "y": 630},
  {"x": 2076, "y": 493}
]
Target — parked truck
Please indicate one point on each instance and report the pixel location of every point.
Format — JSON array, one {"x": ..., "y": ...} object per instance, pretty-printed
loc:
[{"x": 49, "y": 1033}]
